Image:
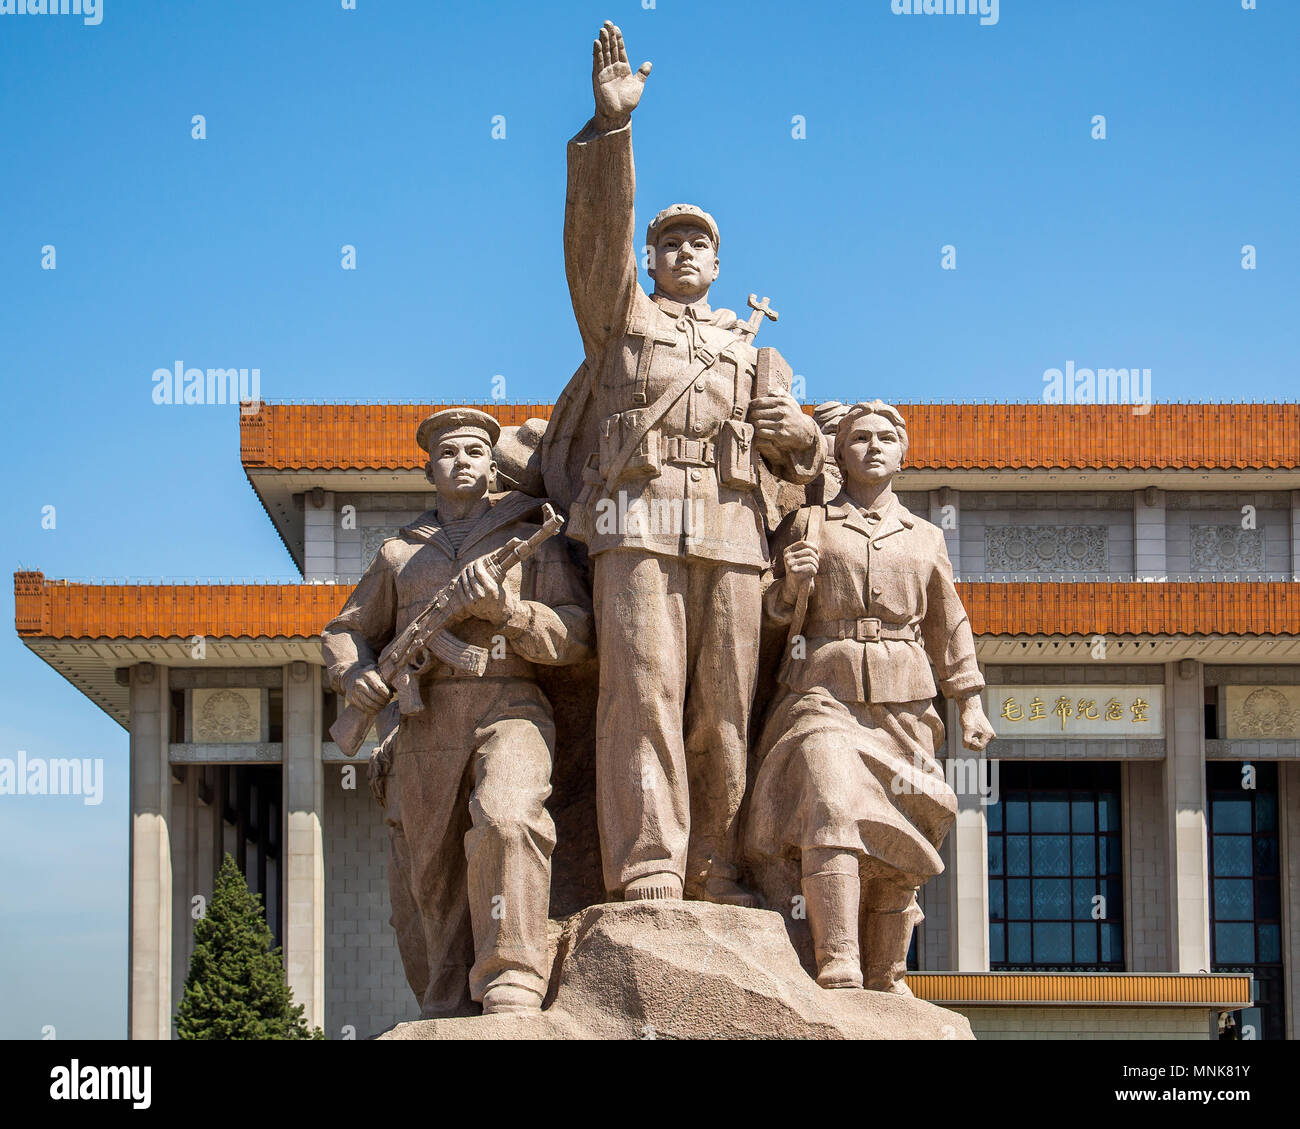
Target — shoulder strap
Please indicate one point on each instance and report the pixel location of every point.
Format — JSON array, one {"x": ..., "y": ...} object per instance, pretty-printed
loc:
[
  {"x": 655, "y": 412},
  {"x": 813, "y": 531}
]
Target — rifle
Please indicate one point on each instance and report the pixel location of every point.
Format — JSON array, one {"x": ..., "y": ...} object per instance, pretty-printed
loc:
[{"x": 426, "y": 637}]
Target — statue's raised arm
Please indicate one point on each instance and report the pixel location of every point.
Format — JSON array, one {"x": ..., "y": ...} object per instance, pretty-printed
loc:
[{"x": 599, "y": 235}]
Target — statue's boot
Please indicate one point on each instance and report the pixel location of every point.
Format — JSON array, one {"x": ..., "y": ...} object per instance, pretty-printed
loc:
[
  {"x": 511, "y": 999},
  {"x": 832, "y": 901},
  {"x": 886, "y": 937},
  {"x": 652, "y": 886}
]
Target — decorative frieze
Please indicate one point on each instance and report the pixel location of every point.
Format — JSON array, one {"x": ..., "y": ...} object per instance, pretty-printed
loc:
[
  {"x": 1045, "y": 548},
  {"x": 1105, "y": 673},
  {"x": 998, "y": 500},
  {"x": 1238, "y": 675},
  {"x": 187, "y": 679},
  {"x": 1226, "y": 548},
  {"x": 1225, "y": 500},
  {"x": 238, "y": 752}
]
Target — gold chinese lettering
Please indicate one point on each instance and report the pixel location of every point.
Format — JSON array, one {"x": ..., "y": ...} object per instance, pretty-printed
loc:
[
  {"x": 1062, "y": 709},
  {"x": 1011, "y": 711}
]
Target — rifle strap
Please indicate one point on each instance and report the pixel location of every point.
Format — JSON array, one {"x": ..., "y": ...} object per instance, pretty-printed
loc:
[{"x": 812, "y": 533}]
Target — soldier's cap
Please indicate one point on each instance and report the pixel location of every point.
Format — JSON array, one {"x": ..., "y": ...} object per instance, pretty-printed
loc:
[
  {"x": 459, "y": 420},
  {"x": 682, "y": 213}
]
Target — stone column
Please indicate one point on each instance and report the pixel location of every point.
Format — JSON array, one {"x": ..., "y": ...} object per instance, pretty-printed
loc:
[
  {"x": 1189, "y": 882},
  {"x": 302, "y": 860},
  {"x": 968, "y": 882},
  {"x": 1146, "y": 851},
  {"x": 318, "y": 535},
  {"x": 1295, "y": 534},
  {"x": 1149, "y": 545},
  {"x": 180, "y": 827},
  {"x": 206, "y": 815},
  {"x": 149, "y": 1014}
]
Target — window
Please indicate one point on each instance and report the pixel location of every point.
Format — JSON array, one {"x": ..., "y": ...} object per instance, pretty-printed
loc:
[
  {"x": 1245, "y": 887},
  {"x": 1056, "y": 892}
]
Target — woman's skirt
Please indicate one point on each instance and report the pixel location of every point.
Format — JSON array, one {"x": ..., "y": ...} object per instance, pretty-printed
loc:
[{"x": 855, "y": 776}]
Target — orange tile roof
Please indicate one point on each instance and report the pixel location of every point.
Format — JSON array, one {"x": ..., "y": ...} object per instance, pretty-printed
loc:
[
  {"x": 1116, "y": 608},
  {"x": 943, "y": 436},
  {"x": 62, "y": 610},
  {"x": 1082, "y": 989}
]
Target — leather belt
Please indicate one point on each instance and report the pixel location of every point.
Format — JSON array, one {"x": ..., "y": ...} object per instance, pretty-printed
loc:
[
  {"x": 690, "y": 452},
  {"x": 865, "y": 630}
]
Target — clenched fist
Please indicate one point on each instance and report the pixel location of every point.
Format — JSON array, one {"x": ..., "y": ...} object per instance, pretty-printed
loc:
[
  {"x": 976, "y": 730},
  {"x": 780, "y": 422},
  {"x": 483, "y": 596},
  {"x": 801, "y": 561},
  {"x": 368, "y": 691}
]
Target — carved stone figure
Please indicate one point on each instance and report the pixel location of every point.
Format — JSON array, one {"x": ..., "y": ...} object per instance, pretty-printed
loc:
[
  {"x": 466, "y": 775},
  {"x": 848, "y": 783},
  {"x": 679, "y": 433}
]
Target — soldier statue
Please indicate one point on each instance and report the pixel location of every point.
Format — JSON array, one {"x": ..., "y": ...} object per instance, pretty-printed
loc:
[
  {"x": 848, "y": 784},
  {"x": 671, "y": 510},
  {"x": 465, "y": 793}
]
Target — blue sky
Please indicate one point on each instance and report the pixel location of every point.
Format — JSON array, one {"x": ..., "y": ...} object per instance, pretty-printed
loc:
[{"x": 373, "y": 128}]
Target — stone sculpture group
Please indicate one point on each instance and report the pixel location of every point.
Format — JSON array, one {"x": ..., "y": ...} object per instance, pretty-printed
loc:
[{"x": 705, "y": 512}]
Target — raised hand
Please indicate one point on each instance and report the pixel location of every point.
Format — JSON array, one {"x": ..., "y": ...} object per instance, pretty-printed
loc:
[{"x": 617, "y": 88}]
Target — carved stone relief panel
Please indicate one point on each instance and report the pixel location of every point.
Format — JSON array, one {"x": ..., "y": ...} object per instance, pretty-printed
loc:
[
  {"x": 227, "y": 715},
  {"x": 1227, "y": 548},
  {"x": 1045, "y": 548},
  {"x": 1263, "y": 712}
]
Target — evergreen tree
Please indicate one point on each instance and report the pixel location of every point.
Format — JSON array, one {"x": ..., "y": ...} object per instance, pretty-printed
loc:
[{"x": 236, "y": 988}]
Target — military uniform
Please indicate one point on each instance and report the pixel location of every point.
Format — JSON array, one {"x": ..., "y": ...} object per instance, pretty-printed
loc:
[
  {"x": 471, "y": 839},
  {"x": 678, "y": 541}
]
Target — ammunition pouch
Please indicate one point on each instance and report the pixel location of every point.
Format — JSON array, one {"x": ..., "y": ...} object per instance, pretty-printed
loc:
[
  {"x": 617, "y": 432},
  {"x": 737, "y": 458}
]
